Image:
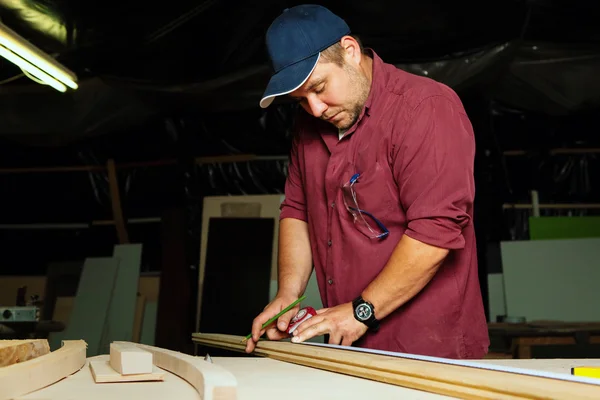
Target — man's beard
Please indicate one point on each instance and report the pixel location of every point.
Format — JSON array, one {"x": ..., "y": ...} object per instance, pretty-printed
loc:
[{"x": 360, "y": 92}]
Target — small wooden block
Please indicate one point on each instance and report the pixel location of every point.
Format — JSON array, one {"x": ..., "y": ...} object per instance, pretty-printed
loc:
[
  {"x": 104, "y": 373},
  {"x": 130, "y": 360}
]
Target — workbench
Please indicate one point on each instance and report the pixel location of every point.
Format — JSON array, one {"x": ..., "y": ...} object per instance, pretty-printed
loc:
[
  {"x": 266, "y": 378},
  {"x": 547, "y": 339}
]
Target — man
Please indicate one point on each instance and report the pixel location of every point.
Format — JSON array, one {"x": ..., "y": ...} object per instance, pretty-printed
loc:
[{"x": 379, "y": 197}]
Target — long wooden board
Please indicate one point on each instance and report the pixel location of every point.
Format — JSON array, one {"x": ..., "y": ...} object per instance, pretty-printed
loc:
[
  {"x": 450, "y": 379},
  {"x": 211, "y": 381},
  {"x": 16, "y": 351},
  {"x": 22, "y": 378}
]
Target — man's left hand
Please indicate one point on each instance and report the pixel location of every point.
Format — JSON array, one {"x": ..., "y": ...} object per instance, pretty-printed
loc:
[{"x": 338, "y": 322}]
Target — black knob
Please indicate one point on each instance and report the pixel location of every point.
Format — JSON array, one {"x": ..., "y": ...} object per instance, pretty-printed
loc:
[{"x": 7, "y": 314}]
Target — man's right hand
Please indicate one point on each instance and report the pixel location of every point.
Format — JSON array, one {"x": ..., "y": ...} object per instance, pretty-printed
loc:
[{"x": 277, "y": 330}]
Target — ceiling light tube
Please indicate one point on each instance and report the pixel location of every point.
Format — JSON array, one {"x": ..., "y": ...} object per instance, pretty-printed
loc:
[
  {"x": 32, "y": 69},
  {"x": 42, "y": 63}
]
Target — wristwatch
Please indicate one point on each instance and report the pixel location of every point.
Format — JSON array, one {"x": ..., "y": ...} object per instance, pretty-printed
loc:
[{"x": 365, "y": 312}]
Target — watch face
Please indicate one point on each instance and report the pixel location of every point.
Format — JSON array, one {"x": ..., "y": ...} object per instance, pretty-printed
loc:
[{"x": 363, "y": 312}]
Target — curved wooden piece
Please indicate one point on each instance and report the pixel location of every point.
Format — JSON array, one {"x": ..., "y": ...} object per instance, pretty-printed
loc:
[
  {"x": 211, "y": 381},
  {"x": 31, "y": 375},
  {"x": 17, "y": 351},
  {"x": 460, "y": 381}
]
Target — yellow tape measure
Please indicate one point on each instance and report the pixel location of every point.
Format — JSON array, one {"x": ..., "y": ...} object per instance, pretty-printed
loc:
[{"x": 590, "y": 372}]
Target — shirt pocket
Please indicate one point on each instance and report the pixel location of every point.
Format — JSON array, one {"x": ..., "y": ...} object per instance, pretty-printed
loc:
[{"x": 373, "y": 198}]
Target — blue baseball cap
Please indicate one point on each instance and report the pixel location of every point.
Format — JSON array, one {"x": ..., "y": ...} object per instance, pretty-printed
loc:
[{"x": 295, "y": 40}]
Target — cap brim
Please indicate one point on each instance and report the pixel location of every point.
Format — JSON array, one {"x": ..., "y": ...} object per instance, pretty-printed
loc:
[{"x": 289, "y": 79}]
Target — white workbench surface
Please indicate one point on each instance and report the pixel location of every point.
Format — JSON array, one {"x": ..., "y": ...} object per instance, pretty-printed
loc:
[{"x": 264, "y": 379}]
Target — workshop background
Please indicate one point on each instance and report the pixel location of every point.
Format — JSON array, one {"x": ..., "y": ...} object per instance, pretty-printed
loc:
[{"x": 164, "y": 138}]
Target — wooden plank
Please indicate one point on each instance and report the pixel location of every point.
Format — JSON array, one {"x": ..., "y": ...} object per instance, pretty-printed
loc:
[
  {"x": 87, "y": 319},
  {"x": 115, "y": 199},
  {"x": 210, "y": 380},
  {"x": 448, "y": 378},
  {"x": 267, "y": 379},
  {"x": 34, "y": 374},
  {"x": 16, "y": 351},
  {"x": 149, "y": 323},
  {"x": 103, "y": 372},
  {"x": 121, "y": 314},
  {"x": 174, "y": 317},
  {"x": 128, "y": 359},
  {"x": 138, "y": 320}
]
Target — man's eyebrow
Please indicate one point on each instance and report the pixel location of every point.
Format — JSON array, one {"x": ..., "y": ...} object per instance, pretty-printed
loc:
[{"x": 317, "y": 82}]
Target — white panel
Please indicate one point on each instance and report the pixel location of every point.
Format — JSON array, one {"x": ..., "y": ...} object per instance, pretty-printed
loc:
[
  {"x": 496, "y": 296},
  {"x": 552, "y": 279},
  {"x": 215, "y": 206}
]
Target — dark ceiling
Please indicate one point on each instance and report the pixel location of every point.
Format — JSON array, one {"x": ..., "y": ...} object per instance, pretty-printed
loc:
[
  {"x": 182, "y": 79},
  {"x": 137, "y": 61}
]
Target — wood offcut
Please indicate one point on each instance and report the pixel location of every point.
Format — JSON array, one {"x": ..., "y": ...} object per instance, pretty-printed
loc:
[
  {"x": 128, "y": 359},
  {"x": 34, "y": 374},
  {"x": 211, "y": 381},
  {"x": 17, "y": 351},
  {"x": 103, "y": 372},
  {"x": 447, "y": 379}
]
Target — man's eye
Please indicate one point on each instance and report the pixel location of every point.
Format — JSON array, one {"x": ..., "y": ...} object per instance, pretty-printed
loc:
[{"x": 320, "y": 89}]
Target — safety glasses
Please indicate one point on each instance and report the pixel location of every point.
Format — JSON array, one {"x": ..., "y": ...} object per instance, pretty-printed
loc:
[{"x": 365, "y": 221}]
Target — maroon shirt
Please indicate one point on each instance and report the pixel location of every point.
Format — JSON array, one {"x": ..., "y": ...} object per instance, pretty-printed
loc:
[{"x": 414, "y": 148}]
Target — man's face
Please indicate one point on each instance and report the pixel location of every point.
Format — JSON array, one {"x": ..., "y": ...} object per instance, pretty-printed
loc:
[{"x": 334, "y": 94}]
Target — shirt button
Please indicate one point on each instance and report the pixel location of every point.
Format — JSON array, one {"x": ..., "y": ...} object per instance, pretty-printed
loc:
[
  {"x": 333, "y": 204},
  {"x": 329, "y": 243},
  {"x": 330, "y": 281}
]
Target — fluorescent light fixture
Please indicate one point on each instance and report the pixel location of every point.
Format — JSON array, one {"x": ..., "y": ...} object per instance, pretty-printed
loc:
[{"x": 34, "y": 61}]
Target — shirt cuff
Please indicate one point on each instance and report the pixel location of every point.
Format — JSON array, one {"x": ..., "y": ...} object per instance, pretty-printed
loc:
[
  {"x": 436, "y": 232},
  {"x": 291, "y": 212}
]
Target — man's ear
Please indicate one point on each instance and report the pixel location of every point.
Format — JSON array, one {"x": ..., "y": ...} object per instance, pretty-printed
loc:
[{"x": 351, "y": 49}]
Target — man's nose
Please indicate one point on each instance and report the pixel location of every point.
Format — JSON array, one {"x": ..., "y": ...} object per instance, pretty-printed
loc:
[{"x": 317, "y": 107}]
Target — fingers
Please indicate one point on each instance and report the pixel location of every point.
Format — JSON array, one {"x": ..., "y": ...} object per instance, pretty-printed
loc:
[
  {"x": 309, "y": 323},
  {"x": 273, "y": 331},
  {"x": 319, "y": 326},
  {"x": 257, "y": 330},
  {"x": 276, "y": 334},
  {"x": 335, "y": 338},
  {"x": 250, "y": 345},
  {"x": 284, "y": 321}
]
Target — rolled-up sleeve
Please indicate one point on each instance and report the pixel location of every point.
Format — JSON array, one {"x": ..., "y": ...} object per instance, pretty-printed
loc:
[
  {"x": 433, "y": 167},
  {"x": 294, "y": 203}
]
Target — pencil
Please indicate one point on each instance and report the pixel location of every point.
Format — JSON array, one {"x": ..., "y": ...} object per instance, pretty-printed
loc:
[{"x": 269, "y": 322}]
